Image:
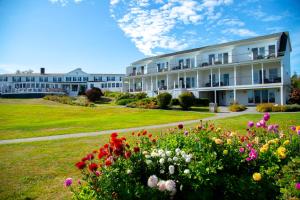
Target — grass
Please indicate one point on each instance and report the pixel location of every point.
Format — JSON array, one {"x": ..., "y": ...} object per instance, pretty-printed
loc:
[
  {"x": 38, "y": 117},
  {"x": 37, "y": 170}
]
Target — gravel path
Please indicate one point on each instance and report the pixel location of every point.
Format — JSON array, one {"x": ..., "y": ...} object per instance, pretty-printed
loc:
[{"x": 220, "y": 115}]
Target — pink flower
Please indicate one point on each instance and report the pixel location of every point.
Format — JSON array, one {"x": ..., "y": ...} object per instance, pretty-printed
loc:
[
  {"x": 250, "y": 124},
  {"x": 186, "y": 133},
  {"x": 161, "y": 185},
  {"x": 262, "y": 123},
  {"x": 249, "y": 145},
  {"x": 266, "y": 116},
  {"x": 242, "y": 150},
  {"x": 270, "y": 128},
  {"x": 170, "y": 185},
  {"x": 297, "y": 186},
  {"x": 258, "y": 125},
  {"x": 253, "y": 154},
  {"x": 293, "y": 128},
  {"x": 68, "y": 182}
]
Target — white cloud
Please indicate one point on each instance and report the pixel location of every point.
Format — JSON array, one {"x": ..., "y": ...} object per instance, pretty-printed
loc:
[
  {"x": 64, "y": 2},
  {"x": 242, "y": 32},
  {"x": 151, "y": 27},
  {"x": 263, "y": 16},
  {"x": 231, "y": 22}
]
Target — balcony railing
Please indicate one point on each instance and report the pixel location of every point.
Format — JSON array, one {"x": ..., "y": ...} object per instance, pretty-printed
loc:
[{"x": 32, "y": 90}]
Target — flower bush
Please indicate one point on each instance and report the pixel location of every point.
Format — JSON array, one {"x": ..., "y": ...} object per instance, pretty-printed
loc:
[{"x": 204, "y": 162}]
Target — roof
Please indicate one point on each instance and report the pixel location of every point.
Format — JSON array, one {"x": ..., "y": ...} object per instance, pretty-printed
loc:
[{"x": 274, "y": 35}]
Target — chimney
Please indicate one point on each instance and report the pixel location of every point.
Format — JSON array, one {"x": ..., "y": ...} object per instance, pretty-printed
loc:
[{"x": 42, "y": 70}]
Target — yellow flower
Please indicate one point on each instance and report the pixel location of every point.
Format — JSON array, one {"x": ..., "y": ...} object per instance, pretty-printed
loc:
[
  {"x": 297, "y": 128},
  {"x": 233, "y": 134},
  {"x": 218, "y": 129},
  {"x": 281, "y": 152},
  {"x": 263, "y": 149},
  {"x": 229, "y": 141},
  {"x": 218, "y": 141},
  {"x": 225, "y": 152},
  {"x": 256, "y": 140},
  {"x": 287, "y": 142},
  {"x": 256, "y": 176},
  {"x": 276, "y": 141}
]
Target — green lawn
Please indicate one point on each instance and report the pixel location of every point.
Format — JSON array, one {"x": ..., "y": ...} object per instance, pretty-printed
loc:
[
  {"x": 37, "y": 170},
  {"x": 38, "y": 117}
]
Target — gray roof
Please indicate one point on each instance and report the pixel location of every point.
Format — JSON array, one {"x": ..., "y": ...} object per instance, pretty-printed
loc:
[{"x": 214, "y": 46}]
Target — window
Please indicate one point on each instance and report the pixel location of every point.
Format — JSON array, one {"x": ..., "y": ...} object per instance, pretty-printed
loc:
[
  {"x": 225, "y": 58},
  {"x": 54, "y": 79},
  {"x": 211, "y": 59},
  {"x": 261, "y": 52},
  {"x": 113, "y": 84},
  {"x": 109, "y": 85},
  {"x": 117, "y": 85},
  {"x": 120, "y": 78},
  {"x": 85, "y": 79},
  {"x": 92, "y": 85},
  {"x": 113, "y": 78},
  {"x": 108, "y": 78},
  {"x": 120, "y": 84},
  {"x": 79, "y": 78},
  {"x": 41, "y": 79},
  {"x": 59, "y": 79},
  {"x": 45, "y": 79},
  {"x": 254, "y": 53},
  {"x": 74, "y": 78},
  {"x": 180, "y": 63},
  {"x": 220, "y": 57},
  {"x": 226, "y": 79},
  {"x": 264, "y": 95},
  {"x": 272, "y": 50},
  {"x": 250, "y": 96},
  {"x": 32, "y": 85},
  {"x": 271, "y": 96},
  {"x": 257, "y": 96},
  {"x": 32, "y": 79},
  {"x": 273, "y": 74}
]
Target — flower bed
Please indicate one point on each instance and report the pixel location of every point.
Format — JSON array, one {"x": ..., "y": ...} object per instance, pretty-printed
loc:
[{"x": 200, "y": 163}]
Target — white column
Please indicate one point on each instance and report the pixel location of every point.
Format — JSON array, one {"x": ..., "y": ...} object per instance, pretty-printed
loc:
[
  {"x": 215, "y": 95},
  {"x": 133, "y": 83},
  {"x": 252, "y": 75},
  {"x": 262, "y": 73},
  {"x": 219, "y": 77},
  {"x": 281, "y": 71},
  {"x": 151, "y": 84},
  {"x": 197, "y": 78},
  {"x": 234, "y": 76},
  {"x": 196, "y": 61},
  {"x": 142, "y": 84},
  {"x": 184, "y": 79},
  {"x": 281, "y": 95},
  {"x": 211, "y": 78},
  {"x": 156, "y": 83},
  {"x": 178, "y": 80},
  {"x": 167, "y": 81},
  {"x": 174, "y": 84},
  {"x": 234, "y": 95}
]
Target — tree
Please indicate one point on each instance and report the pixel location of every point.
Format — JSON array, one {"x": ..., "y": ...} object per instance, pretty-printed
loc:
[
  {"x": 164, "y": 100},
  {"x": 94, "y": 94},
  {"x": 295, "y": 96}
]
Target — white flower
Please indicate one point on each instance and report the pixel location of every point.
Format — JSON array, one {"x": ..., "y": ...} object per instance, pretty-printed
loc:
[
  {"x": 148, "y": 162},
  {"x": 161, "y": 185},
  {"x": 163, "y": 155},
  {"x": 145, "y": 152},
  {"x": 169, "y": 159},
  {"x": 160, "y": 151},
  {"x": 168, "y": 153},
  {"x": 171, "y": 169},
  {"x": 152, "y": 181},
  {"x": 162, "y": 171},
  {"x": 188, "y": 160},
  {"x": 177, "y": 150},
  {"x": 186, "y": 171},
  {"x": 154, "y": 154},
  {"x": 162, "y": 161},
  {"x": 181, "y": 187},
  {"x": 175, "y": 158},
  {"x": 128, "y": 171},
  {"x": 170, "y": 185},
  {"x": 182, "y": 153},
  {"x": 147, "y": 156}
]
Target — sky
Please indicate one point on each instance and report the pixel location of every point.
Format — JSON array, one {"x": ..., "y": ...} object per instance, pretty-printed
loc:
[{"x": 105, "y": 36}]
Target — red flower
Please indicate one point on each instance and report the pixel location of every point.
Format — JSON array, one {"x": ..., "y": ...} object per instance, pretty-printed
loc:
[
  {"x": 108, "y": 162},
  {"x": 93, "y": 166},
  {"x": 127, "y": 154},
  {"x": 106, "y": 146},
  {"x": 84, "y": 159},
  {"x": 139, "y": 134},
  {"x": 144, "y": 132},
  {"x": 150, "y": 135},
  {"x": 95, "y": 151},
  {"x": 90, "y": 156},
  {"x": 113, "y": 135},
  {"x": 154, "y": 140},
  {"x": 136, "y": 149},
  {"x": 180, "y": 126},
  {"x": 132, "y": 133},
  {"x": 80, "y": 165},
  {"x": 123, "y": 138},
  {"x": 102, "y": 153}
]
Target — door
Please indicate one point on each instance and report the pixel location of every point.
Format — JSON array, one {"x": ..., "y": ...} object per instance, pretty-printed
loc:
[
  {"x": 211, "y": 59},
  {"x": 254, "y": 53}
]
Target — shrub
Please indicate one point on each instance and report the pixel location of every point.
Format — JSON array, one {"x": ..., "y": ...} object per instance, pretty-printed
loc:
[
  {"x": 148, "y": 103},
  {"x": 94, "y": 94},
  {"x": 111, "y": 94},
  {"x": 295, "y": 96},
  {"x": 194, "y": 163},
  {"x": 237, "y": 107},
  {"x": 175, "y": 102},
  {"x": 125, "y": 96},
  {"x": 292, "y": 108},
  {"x": 186, "y": 100},
  {"x": 264, "y": 107},
  {"x": 201, "y": 102},
  {"x": 278, "y": 108},
  {"x": 79, "y": 101},
  {"x": 140, "y": 95},
  {"x": 124, "y": 102},
  {"x": 164, "y": 100}
]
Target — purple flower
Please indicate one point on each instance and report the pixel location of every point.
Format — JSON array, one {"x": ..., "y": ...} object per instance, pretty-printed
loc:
[
  {"x": 68, "y": 182},
  {"x": 186, "y": 133},
  {"x": 250, "y": 124},
  {"x": 242, "y": 150},
  {"x": 249, "y": 145},
  {"x": 297, "y": 186},
  {"x": 258, "y": 125},
  {"x": 298, "y": 132},
  {"x": 266, "y": 116},
  {"x": 293, "y": 128},
  {"x": 270, "y": 128},
  {"x": 262, "y": 123},
  {"x": 252, "y": 155}
]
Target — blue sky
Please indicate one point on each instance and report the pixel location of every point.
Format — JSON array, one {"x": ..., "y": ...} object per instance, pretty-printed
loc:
[{"x": 106, "y": 36}]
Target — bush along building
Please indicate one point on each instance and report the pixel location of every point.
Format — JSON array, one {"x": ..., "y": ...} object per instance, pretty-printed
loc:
[
  {"x": 249, "y": 71},
  {"x": 40, "y": 84}
]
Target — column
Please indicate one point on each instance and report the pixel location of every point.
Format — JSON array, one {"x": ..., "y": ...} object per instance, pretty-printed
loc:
[
  {"x": 262, "y": 73},
  {"x": 234, "y": 95},
  {"x": 184, "y": 79},
  {"x": 151, "y": 84},
  {"x": 215, "y": 95},
  {"x": 211, "y": 82},
  {"x": 234, "y": 76},
  {"x": 219, "y": 77},
  {"x": 156, "y": 83},
  {"x": 197, "y": 78},
  {"x": 167, "y": 81},
  {"x": 281, "y": 95},
  {"x": 178, "y": 80},
  {"x": 281, "y": 71},
  {"x": 252, "y": 75},
  {"x": 142, "y": 84},
  {"x": 196, "y": 62},
  {"x": 133, "y": 83}
]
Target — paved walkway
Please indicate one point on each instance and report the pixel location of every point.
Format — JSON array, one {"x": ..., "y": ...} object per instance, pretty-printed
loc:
[{"x": 223, "y": 114}]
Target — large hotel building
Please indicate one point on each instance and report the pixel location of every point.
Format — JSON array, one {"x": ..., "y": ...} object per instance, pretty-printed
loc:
[{"x": 250, "y": 71}]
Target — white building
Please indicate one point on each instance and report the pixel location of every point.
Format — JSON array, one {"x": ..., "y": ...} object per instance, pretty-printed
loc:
[
  {"x": 39, "y": 84},
  {"x": 247, "y": 71}
]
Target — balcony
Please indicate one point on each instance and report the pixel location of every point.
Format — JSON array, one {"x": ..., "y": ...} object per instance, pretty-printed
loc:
[
  {"x": 273, "y": 80},
  {"x": 162, "y": 70}
]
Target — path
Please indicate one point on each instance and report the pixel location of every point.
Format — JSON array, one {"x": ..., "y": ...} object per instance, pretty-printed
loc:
[{"x": 220, "y": 115}]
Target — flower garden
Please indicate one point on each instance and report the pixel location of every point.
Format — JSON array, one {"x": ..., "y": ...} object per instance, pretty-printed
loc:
[{"x": 204, "y": 162}]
